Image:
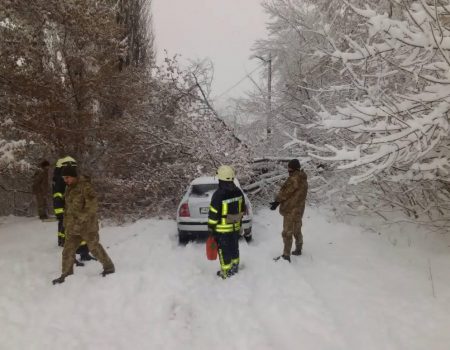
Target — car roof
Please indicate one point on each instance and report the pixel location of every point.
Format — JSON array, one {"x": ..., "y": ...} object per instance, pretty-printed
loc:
[{"x": 205, "y": 180}]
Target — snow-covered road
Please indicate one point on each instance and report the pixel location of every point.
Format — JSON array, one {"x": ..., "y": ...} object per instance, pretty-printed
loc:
[{"x": 352, "y": 289}]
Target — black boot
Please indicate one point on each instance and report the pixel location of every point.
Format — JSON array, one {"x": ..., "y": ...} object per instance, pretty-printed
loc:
[
  {"x": 221, "y": 274},
  {"x": 59, "y": 280},
  {"x": 225, "y": 274},
  {"x": 78, "y": 263},
  {"x": 248, "y": 238},
  {"x": 108, "y": 271},
  {"x": 83, "y": 250},
  {"x": 298, "y": 250},
  {"x": 285, "y": 257},
  {"x": 86, "y": 257}
]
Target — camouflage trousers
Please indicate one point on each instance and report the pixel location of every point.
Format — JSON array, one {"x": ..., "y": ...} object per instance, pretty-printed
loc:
[
  {"x": 292, "y": 229},
  {"x": 82, "y": 249},
  {"x": 93, "y": 242}
]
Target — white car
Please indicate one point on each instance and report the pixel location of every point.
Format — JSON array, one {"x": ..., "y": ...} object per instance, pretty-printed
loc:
[{"x": 192, "y": 213}]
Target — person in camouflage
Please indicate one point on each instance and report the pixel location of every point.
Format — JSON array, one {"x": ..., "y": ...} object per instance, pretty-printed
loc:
[
  {"x": 81, "y": 223},
  {"x": 291, "y": 199},
  {"x": 59, "y": 187},
  {"x": 40, "y": 189}
]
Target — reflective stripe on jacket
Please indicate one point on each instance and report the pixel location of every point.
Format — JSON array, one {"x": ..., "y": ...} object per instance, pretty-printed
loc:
[
  {"x": 226, "y": 209},
  {"x": 58, "y": 185}
]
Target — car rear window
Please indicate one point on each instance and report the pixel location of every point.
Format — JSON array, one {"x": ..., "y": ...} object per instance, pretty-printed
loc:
[{"x": 201, "y": 189}]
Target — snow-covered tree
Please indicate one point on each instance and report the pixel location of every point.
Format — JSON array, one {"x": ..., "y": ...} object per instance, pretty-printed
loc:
[
  {"x": 388, "y": 129},
  {"x": 399, "y": 125},
  {"x": 173, "y": 138},
  {"x": 79, "y": 78},
  {"x": 363, "y": 90}
]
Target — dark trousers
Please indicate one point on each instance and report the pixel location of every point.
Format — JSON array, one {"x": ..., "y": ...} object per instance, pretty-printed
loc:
[
  {"x": 61, "y": 233},
  {"x": 228, "y": 246}
]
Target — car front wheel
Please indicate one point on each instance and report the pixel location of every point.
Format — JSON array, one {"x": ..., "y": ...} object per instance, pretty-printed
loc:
[{"x": 248, "y": 235}]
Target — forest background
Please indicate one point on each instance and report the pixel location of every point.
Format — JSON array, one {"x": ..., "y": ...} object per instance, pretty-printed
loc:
[{"x": 359, "y": 93}]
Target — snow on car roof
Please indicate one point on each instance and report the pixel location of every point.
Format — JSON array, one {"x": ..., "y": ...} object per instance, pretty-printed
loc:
[
  {"x": 202, "y": 180},
  {"x": 205, "y": 180}
]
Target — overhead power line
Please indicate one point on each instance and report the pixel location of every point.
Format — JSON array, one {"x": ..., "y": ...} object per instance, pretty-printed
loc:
[{"x": 239, "y": 82}]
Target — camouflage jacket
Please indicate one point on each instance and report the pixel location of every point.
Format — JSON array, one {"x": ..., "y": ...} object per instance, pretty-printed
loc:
[
  {"x": 292, "y": 194},
  {"x": 81, "y": 204}
]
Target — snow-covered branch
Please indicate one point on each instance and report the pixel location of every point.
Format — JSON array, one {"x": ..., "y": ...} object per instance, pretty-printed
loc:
[{"x": 395, "y": 126}]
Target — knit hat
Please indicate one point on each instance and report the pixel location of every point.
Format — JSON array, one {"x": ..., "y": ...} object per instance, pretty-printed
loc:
[
  {"x": 294, "y": 164},
  {"x": 69, "y": 170},
  {"x": 44, "y": 164}
]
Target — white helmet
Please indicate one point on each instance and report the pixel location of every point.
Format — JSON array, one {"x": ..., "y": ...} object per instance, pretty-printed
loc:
[
  {"x": 225, "y": 173},
  {"x": 66, "y": 161}
]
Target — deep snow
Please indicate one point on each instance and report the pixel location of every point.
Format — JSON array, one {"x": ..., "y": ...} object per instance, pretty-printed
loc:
[{"x": 353, "y": 289}]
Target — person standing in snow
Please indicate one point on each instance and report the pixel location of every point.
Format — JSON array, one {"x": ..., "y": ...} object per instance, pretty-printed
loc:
[
  {"x": 291, "y": 199},
  {"x": 81, "y": 223},
  {"x": 40, "y": 189},
  {"x": 59, "y": 187},
  {"x": 225, "y": 220}
]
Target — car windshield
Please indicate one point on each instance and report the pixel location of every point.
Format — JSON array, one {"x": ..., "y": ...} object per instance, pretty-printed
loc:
[{"x": 202, "y": 189}]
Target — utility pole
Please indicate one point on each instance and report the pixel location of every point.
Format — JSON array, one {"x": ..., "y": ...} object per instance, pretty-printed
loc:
[{"x": 269, "y": 97}]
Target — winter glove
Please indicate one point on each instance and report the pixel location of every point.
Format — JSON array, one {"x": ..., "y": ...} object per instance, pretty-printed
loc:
[{"x": 274, "y": 205}]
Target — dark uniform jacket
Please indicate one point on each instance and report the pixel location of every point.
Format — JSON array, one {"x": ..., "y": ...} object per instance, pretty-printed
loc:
[
  {"x": 80, "y": 208},
  {"x": 226, "y": 209},
  {"x": 59, "y": 186},
  {"x": 292, "y": 194}
]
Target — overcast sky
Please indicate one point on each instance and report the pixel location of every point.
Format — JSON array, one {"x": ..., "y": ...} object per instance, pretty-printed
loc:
[{"x": 223, "y": 30}]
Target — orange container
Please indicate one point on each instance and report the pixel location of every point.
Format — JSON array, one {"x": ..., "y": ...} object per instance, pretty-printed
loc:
[{"x": 211, "y": 248}]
